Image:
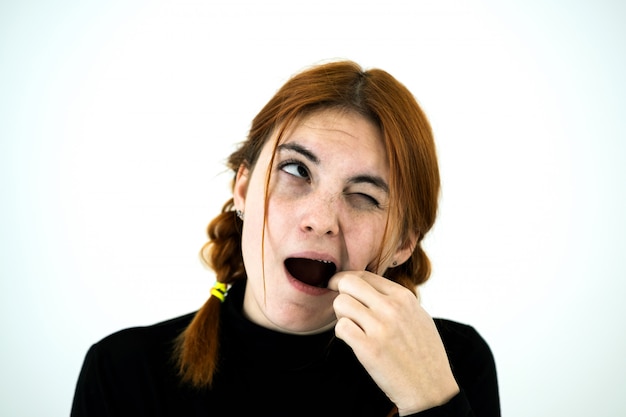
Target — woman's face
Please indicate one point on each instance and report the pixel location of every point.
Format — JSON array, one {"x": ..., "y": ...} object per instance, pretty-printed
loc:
[{"x": 326, "y": 212}]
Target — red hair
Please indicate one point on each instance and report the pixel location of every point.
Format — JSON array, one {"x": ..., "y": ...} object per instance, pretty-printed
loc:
[{"x": 414, "y": 184}]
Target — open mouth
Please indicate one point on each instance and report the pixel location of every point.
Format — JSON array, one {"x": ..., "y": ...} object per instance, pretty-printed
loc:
[{"x": 312, "y": 272}]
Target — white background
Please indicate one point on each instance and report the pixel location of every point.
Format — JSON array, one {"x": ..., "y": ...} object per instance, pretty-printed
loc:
[{"x": 116, "y": 117}]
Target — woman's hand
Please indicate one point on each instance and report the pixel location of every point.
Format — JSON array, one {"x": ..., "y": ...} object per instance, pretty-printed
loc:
[{"x": 394, "y": 339}]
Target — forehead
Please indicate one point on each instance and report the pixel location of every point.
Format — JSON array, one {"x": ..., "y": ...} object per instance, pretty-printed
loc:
[
  {"x": 331, "y": 132},
  {"x": 339, "y": 120}
]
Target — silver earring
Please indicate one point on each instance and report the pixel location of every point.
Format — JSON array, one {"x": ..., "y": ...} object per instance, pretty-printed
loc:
[
  {"x": 239, "y": 214},
  {"x": 394, "y": 263}
]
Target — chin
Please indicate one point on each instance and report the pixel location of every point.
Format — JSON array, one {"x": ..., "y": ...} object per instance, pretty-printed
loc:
[{"x": 302, "y": 323}]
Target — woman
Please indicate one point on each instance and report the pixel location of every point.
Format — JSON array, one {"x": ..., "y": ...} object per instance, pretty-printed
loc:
[{"x": 317, "y": 258}]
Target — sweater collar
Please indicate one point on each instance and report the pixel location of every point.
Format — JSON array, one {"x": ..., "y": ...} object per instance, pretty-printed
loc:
[{"x": 263, "y": 347}]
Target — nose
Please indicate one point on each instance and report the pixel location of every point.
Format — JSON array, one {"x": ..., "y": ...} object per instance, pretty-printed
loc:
[{"x": 321, "y": 216}]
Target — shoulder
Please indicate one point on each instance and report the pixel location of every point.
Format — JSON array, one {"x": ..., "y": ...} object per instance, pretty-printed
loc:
[
  {"x": 129, "y": 371},
  {"x": 456, "y": 334},
  {"x": 134, "y": 346},
  {"x": 473, "y": 365},
  {"x": 464, "y": 345},
  {"x": 151, "y": 333}
]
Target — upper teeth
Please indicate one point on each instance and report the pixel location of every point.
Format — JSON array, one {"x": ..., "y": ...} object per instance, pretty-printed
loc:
[{"x": 326, "y": 262}]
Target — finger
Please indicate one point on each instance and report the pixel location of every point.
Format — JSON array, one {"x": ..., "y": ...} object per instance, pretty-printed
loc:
[
  {"x": 351, "y": 281},
  {"x": 354, "y": 282},
  {"x": 348, "y": 331},
  {"x": 371, "y": 290},
  {"x": 354, "y": 285},
  {"x": 348, "y": 307}
]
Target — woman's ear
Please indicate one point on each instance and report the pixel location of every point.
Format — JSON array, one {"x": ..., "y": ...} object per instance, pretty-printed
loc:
[
  {"x": 240, "y": 189},
  {"x": 405, "y": 249}
]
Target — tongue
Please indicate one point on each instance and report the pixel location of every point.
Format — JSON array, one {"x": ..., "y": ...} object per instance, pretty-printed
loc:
[{"x": 310, "y": 271}]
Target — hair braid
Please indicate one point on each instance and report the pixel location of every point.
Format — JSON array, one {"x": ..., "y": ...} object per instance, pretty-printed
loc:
[{"x": 197, "y": 348}]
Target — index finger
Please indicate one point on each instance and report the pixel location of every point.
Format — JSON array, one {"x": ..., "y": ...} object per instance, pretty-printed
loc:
[{"x": 356, "y": 282}]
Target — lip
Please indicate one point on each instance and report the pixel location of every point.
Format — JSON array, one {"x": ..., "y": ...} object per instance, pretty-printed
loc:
[
  {"x": 320, "y": 256},
  {"x": 301, "y": 286}
]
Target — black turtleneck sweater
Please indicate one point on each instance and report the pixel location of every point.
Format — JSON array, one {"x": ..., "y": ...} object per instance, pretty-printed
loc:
[{"x": 264, "y": 373}]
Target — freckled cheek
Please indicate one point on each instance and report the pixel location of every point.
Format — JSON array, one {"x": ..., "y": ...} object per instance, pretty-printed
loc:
[
  {"x": 285, "y": 203},
  {"x": 282, "y": 215},
  {"x": 363, "y": 245}
]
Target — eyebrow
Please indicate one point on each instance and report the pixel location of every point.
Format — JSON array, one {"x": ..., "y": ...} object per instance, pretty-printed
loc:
[
  {"x": 358, "y": 179},
  {"x": 301, "y": 150},
  {"x": 370, "y": 179}
]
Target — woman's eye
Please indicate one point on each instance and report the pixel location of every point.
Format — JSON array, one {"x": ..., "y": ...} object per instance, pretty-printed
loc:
[
  {"x": 364, "y": 200},
  {"x": 296, "y": 169}
]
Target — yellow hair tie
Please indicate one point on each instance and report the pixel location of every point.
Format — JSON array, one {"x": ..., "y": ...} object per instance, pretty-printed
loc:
[{"x": 219, "y": 290}]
